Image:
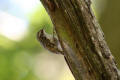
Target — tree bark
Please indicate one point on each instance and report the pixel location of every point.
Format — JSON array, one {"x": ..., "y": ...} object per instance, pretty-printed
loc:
[{"x": 82, "y": 40}]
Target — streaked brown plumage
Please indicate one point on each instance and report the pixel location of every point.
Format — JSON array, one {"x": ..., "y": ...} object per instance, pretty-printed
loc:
[{"x": 49, "y": 42}]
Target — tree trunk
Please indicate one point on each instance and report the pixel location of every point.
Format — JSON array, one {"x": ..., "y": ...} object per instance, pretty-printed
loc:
[{"x": 82, "y": 40}]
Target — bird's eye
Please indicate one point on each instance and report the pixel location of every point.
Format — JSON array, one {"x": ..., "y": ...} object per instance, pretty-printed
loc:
[{"x": 40, "y": 32}]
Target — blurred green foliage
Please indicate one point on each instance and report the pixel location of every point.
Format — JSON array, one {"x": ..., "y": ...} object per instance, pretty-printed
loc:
[
  {"x": 110, "y": 23},
  {"x": 16, "y": 57}
]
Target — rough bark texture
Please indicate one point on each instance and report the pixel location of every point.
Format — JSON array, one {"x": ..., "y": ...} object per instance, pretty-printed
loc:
[{"x": 80, "y": 36}]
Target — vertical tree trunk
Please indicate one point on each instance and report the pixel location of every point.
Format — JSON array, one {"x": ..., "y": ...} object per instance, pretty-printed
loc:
[{"x": 80, "y": 36}]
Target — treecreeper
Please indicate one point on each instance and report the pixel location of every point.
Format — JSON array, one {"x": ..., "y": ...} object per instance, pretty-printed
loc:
[{"x": 49, "y": 42}]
